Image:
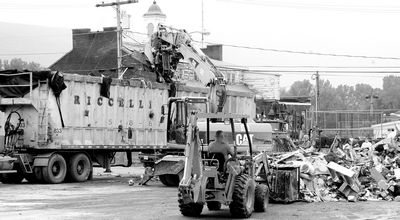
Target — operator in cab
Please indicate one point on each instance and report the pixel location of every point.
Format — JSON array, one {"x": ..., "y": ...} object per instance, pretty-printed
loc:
[{"x": 219, "y": 145}]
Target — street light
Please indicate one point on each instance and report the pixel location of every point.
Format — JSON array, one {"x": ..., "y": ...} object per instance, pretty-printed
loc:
[{"x": 203, "y": 33}]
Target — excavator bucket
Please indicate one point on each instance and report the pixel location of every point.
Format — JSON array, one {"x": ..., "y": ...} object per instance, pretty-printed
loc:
[{"x": 217, "y": 97}]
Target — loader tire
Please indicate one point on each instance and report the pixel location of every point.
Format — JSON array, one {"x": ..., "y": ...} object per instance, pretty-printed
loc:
[
  {"x": 261, "y": 198},
  {"x": 79, "y": 168},
  {"x": 242, "y": 204},
  {"x": 12, "y": 178},
  {"x": 214, "y": 206},
  {"x": 56, "y": 169},
  {"x": 189, "y": 209}
]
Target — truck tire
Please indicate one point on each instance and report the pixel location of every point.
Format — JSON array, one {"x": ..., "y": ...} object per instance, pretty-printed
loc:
[
  {"x": 79, "y": 168},
  {"x": 242, "y": 204},
  {"x": 189, "y": 209},
  {"x": 30, "y": 177},
  {"x": 36, "y": 176},
  {"x": 213, "y": 206},
  {"x": 12, "y": 178},
  {"x": 173, "y": 179},
  {"x": 163, "y": 180},
  {"x": 261, "y": 198},
  {"x": 56, "y": 169},
  {"x": 169, "y": 179}
]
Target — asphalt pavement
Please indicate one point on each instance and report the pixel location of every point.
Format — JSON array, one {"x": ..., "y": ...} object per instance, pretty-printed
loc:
[{"x": 110, "y": 197}]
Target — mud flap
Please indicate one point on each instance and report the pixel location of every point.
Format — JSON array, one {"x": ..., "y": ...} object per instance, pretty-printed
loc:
[{"x": 42, "y": 160}]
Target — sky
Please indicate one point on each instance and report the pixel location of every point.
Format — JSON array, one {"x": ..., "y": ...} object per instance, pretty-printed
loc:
[{"x": 353, "y": 27}]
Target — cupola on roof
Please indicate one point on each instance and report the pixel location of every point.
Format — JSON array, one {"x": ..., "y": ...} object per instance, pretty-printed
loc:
[{"x": 154, "y": 11}]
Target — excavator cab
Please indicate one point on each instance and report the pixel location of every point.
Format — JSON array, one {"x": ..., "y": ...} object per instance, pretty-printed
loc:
[{"x": 205, "y": 183}]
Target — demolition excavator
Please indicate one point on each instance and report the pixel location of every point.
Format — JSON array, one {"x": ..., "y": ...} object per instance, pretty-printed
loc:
[
  {"x": 204, "y": 179},
  {"x": 168, "y": 47}
]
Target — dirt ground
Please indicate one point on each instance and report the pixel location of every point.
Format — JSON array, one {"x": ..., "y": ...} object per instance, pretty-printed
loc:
[{"x": 110, "y": 197}]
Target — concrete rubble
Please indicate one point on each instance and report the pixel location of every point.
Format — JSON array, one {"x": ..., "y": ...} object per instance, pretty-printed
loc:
[{"x": 347, "y": 171}]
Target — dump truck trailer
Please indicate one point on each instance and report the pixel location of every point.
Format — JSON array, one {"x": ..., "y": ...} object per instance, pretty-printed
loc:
[{"x": 57, "y": 125}]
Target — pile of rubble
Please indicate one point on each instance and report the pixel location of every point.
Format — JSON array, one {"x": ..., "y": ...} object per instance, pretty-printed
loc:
[{"x": 347, "y": 171}]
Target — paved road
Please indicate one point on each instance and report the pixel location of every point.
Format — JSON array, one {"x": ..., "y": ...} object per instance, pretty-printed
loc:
[{"x": 112, "y": 198}]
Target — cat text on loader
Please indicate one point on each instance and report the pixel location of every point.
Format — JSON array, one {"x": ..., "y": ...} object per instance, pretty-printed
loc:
[{"x": 203, "y": 183}]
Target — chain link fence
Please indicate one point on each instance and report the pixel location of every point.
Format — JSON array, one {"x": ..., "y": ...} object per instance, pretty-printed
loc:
[{"x": 345, "y": 123}]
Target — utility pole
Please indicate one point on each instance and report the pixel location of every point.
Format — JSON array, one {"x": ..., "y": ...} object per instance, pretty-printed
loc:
[
  {"x": 371, "y": 98},
  {"x": 117, "y": 4},
  {"x": 316, "y": 78},
  {"x": 202, "y": 24}
]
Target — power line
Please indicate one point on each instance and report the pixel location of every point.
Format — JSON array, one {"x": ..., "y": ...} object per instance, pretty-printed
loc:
[
  {"x": 117, "y": 5},
  {"x": 307, "y": 71},
  {"x": 335, "y": 7},
  {"x": 327, "y": 67},
  {"x": 325, "y": 71},
  {"x": 304, "y": 52}
]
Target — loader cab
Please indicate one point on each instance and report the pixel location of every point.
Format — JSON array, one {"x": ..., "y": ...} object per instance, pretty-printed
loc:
[{"x": 177, "y": 114}]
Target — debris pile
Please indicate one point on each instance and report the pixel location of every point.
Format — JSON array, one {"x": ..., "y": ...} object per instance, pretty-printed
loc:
[{"x": 347, "y": 172}]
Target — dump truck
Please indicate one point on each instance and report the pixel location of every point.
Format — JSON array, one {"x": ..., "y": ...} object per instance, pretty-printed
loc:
[
  {"x": 57, "y": 125},
  {"x": 57, "y": 134}
]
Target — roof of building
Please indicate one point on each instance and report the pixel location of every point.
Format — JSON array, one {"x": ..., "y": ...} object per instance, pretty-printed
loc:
[
  {"x": 95, "y": 53},
  {"x": 154, "y": 10}
]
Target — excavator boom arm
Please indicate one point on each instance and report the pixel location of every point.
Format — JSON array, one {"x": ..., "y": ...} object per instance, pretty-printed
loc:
[{"x": 170, "y": 46}]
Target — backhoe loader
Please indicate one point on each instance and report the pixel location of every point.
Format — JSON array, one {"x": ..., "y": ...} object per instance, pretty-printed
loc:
[{"x": 209, "y": 180}]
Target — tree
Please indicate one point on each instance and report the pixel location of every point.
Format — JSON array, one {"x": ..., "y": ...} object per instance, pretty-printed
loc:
[
  {"x": 361, "y": 92},
  {"x": 346, "y": 94},
  {"x": 300, "y": 88},
  {"x": 328, "y": 99},
  {"x": 390, "y": 95},
  {"x": 19, "y": 64},
  {"x": 345, "y": 97}
]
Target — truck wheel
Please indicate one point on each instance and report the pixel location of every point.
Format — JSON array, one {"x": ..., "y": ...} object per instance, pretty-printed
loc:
[
  {"x": 56, "y": 169},
  {"x": 242, "y": 204},
  {"x": 163, "y": 180},
  {"x": 169, "y": 179},
  {"x": 261, "y": 198},
  {"x": 191, "y": 209},
  {"x": 30, "y": 177},
  {"x": 173, "y": 179},
  {"x": 36, "y": 175},
  {"x": 213, "y": 206},
  {"x": 79, "y": 168},
  {"x": 9, "y": 178}
]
